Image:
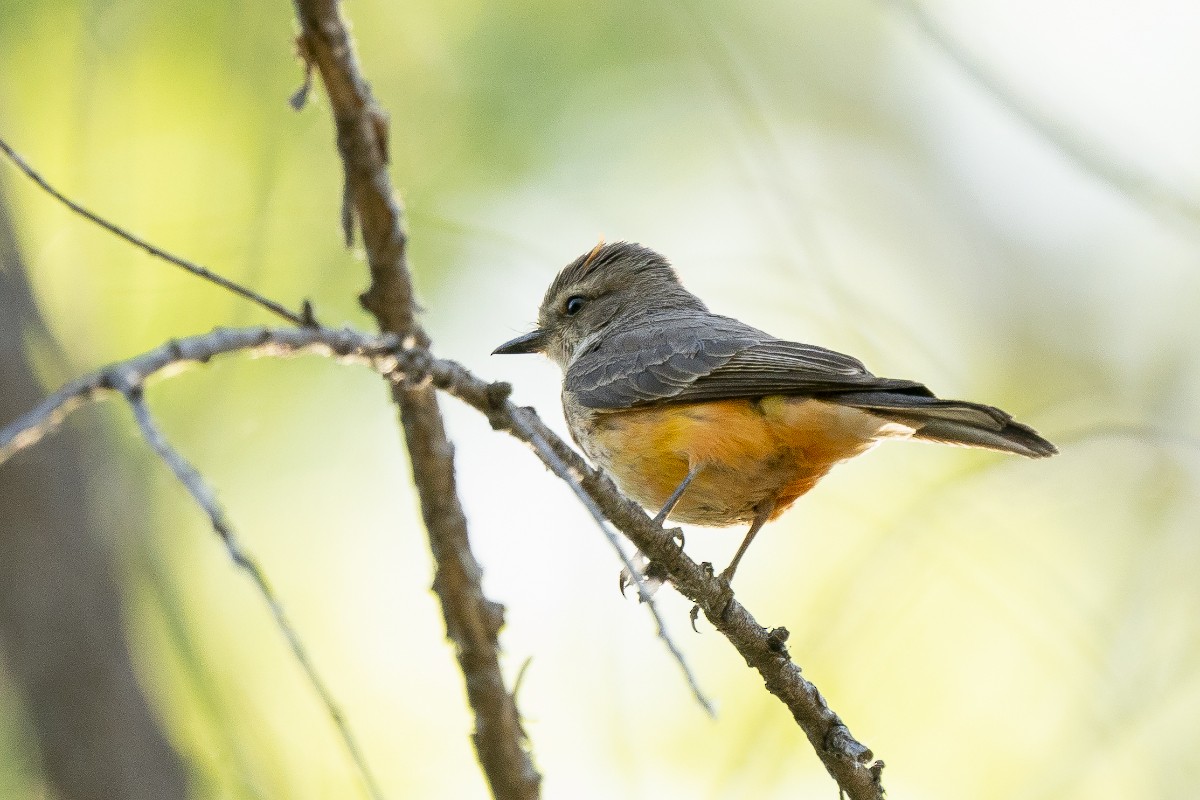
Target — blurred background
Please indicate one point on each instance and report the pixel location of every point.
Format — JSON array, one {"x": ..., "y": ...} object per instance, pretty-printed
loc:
[{"x": 1001, "y": 199}]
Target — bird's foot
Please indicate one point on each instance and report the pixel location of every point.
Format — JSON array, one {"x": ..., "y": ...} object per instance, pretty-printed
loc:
[
  {"x": 651, "y": 575},
  {"x": 723, "y": 599}
]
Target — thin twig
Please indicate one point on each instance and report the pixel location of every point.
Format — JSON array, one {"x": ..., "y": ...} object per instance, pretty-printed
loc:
[
  {"x": 206, "y": 498},
  {"x": 559, "y": 468},
  {"x": 30, "y": 427},
  {"x": 1123, "y": 177},
  {"x": 243, "y": 782},
  {"x": 154, "y": 250},
  {"x": 565, "y": 473}
]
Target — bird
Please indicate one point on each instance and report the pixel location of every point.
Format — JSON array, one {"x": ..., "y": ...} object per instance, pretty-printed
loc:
[{"x": 710, "y": 421}]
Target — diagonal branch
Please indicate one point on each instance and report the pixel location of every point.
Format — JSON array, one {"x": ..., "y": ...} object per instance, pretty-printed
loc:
[
  {"x": 848, "y": 761},
  {"x": 206, "y": 498},
  {"x": 551, "y": 459},
  {"x": 154, "y": 250}
]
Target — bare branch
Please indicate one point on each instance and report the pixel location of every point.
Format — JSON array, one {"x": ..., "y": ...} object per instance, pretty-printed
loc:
[
  {"x": 33, "y": 425},
  {"x": 206, "y": 498},
  {"x": 369, "y": 199},
  {"x": 154, "y": 250},
  {"x": 847, "y": 760},
  {"x": 572, "y": 479}
]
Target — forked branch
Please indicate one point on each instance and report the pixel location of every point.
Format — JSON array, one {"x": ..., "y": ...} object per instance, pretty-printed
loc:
[{"x": 848, "y": 761}]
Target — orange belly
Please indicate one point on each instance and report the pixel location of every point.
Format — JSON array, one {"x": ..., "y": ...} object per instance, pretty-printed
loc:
[{"x": 750, "y": 451}]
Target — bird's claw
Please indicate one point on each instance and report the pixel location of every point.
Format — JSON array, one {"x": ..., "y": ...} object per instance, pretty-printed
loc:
[{"x": 651, "y": 578}]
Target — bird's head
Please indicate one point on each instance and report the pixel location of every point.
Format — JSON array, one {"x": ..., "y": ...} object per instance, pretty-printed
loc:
[{"x": 610, "y": 285}]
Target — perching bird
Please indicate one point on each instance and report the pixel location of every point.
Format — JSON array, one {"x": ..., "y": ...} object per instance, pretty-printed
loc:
[{"x": 713, "y": 422}]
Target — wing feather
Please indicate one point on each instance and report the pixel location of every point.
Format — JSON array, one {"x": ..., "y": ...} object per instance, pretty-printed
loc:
[{"x": 679, "y": 358}]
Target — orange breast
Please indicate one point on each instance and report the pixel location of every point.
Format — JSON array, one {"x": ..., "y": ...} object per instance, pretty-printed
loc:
[{"x": 749, "y": 451}]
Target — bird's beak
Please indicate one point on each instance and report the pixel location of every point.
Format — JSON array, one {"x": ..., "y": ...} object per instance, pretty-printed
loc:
[{"x": 532, "y": 342}]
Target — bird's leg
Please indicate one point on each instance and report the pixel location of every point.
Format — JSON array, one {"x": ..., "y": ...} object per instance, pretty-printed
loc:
[
  {"x": 646, "y": 569},
  {"x": 673, "y": 500},
  {"x": 764, "y": 513}
]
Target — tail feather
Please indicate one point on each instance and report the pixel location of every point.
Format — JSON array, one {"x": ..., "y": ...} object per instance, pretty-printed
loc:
[{"x": 953, "y": 422}]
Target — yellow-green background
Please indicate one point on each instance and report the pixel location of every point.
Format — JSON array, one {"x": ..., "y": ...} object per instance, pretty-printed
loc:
[{"x": 991, "y": 627}]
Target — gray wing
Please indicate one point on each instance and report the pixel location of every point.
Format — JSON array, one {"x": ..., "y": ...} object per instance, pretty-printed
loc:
[{"x": 675, "y": 359}]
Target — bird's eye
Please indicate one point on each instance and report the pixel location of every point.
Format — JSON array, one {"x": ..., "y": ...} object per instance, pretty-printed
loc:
[{"x": 573, "y": 305}]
